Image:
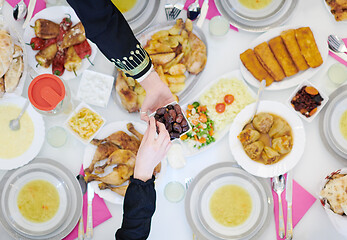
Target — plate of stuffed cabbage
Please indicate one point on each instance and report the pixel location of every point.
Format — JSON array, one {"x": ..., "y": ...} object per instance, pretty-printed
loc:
[{"x": 271, "y": 144}]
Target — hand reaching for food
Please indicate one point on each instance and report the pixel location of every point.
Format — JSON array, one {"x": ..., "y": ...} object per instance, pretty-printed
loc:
[
  {"x": 157, "y": 95},
  {"x": 152, "y": 150}
]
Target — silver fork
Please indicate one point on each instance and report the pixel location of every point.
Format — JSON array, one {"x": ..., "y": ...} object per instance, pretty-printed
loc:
[
  {"x": 168, "y": 9},
  {"x": 188, "y": 181},
  {"x": 176, "y": 9},
  {"x": 336, "y": 43}
]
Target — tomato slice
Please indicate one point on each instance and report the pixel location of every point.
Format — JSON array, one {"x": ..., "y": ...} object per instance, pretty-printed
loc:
[
  {"x": 220, "y": 107},
  {"x": 229, "y": 99}
]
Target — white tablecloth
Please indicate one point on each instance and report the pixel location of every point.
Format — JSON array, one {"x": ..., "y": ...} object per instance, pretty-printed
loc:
[{"x": 169, "y": 221}]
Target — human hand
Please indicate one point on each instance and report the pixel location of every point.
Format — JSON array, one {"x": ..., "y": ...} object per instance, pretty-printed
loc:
[
  {"x": 152, "y": 150},
  {"x": 157, "y": 95}
]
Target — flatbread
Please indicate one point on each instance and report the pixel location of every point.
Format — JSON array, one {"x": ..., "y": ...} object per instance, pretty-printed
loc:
[
  {"x": 14, "y": 73},
  {"x": 335, "y": 191},
  {"x": 6, "y": 51}
]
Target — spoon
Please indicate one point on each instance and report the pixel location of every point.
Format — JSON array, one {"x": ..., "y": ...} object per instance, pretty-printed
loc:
[
  {"x": 20, "y": 10},
  {"x": 278, "y": 185},
  {"x": 83, "y": 185},
  {"x": 14, "y": 123},
  {"x": 194, "y": 10},
  {"x": 337, "y": 44}
]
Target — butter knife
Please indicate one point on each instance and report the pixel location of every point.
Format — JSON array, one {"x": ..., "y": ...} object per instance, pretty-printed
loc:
[
  {"x": 31, "y": 8},
  {"x": 289, "y": 199},
  {"x": 204, "y": 10},
  {"x": 341, "y": 55},
  {"x": 89, "y": 233}
]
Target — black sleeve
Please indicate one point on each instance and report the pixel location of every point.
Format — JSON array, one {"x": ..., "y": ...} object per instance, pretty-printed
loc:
[
  {"x": 107, "y": 28},
  {"x": 138, "y": 209}
]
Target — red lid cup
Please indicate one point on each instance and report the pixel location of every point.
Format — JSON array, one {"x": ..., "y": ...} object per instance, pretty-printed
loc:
[{"x": 46, "y": 91}]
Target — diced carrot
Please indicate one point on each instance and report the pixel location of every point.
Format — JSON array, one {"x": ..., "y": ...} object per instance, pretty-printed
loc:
[
  {"x": 195, "y": 122},
  {"x": 198, "y": 109},
  {"x": 196, "y": 138},
  {"x": 203, "y": 118},
  {"x": 200, "y": 126},
  {"x": 190, "y": 107},
  {"x": 211, "y": 132},
  {"x": 184, "y": 137},
  {"x": 311, "y": 90},
  {"x": 313, "y": 111},
  {"x": 202, "y": 140},
  {"x": 203, "y": 108}
]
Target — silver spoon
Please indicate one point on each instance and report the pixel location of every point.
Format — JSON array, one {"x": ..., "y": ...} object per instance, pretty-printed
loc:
[
  {"x": 278, "y": 185},
  {"x": 83, "y": 185},
  {"x": 14, "y": 123},
  {"x": 337, "y": 44},
  {"x": 20, "y": 10},
  {"x": 194, "y": 10}
]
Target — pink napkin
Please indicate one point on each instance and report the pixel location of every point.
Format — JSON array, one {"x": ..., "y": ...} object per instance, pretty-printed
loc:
[
  {"x": 336, "y": 57},
  {"x": 100, "y": 213},
  {"x": 212, "y": 10},
  {"x": 40, "y": 4},
  {"x": 302, "y": 201}
]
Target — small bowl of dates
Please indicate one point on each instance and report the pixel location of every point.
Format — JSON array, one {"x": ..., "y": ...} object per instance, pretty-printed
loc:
[
  {"x": 174, "y": 120},
  {"x": 307, "y": 101}
]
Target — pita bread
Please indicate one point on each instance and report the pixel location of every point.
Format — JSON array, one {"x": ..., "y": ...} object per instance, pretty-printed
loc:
[
  {"x": 12, "y": 76},
  {"x": 2, "y": 87},
  {"x": 335, "y": 192},
  {"x": 6, "y": 52}
]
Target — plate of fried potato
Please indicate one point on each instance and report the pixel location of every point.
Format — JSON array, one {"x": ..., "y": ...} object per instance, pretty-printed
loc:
[
  {"x": 42, "y": 60},
  {"x": 284, "y": 57},
  {"x": 109, "y": 160},
  {"x": 179, "y": 54}
]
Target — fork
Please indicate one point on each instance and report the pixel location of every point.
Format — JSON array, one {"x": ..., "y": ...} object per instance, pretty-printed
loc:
[
  {"x": 188, "y": 181},
  {"x": 177, "y": 8},
  {"x": 168, "y": 8},
  {"x": 336, "y": 43}
]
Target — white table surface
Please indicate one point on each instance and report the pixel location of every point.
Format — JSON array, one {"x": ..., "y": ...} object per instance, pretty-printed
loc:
[{"x": 169, "y": 221}]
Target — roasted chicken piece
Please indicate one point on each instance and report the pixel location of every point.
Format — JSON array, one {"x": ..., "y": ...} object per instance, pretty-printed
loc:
[
  {"x": 46, "y": 29},
  {"x": 254, "y": 150},
  {"x": 45, "y": 56},
  {"x": 127, "y": 95},
  {"x": 73, "y": 36},
  {"x": 119, "y": 156},
  {"x": 195, "y": 61},
  {"x": 122, "y": 140},
  {"x": 270, "y": 155},
  {"x": 104, "y": 150},
  {"x": 248, "y": 136},
  {"x": 132, "y": 129},
  {"x": 120, "y": 190},
  {"x": 282, "y": 144},
  {"x": 118, "y": 176},
  {"x": 279, "y": 128},
  {"x": 263, "y": 122}
]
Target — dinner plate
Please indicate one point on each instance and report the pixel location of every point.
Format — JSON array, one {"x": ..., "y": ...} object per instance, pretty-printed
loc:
[
  {"x": 296, "y": 79},
  {"x": 216, "y": 176},
  {"x": 256, "y": 20},
  {"x": 55, "y": 14},
  {"x": 90, "y": 149},
  {"x": 39, "y": 135},
  {"x": 329, "y": 123},
  {"x": 191, "y": 79},
  {"x": 288, "y": 161},
  {"x": 69, "y": 192},
  {"x": 188, "y": 149},
  {"x": 17, "y": 39}
]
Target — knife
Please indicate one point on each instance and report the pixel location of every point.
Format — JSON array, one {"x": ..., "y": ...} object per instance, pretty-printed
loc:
[
  {"x": 289, "y": 199},
  {"x": 341, "y": 55},
  {"x": 204, "y": 10},
  {"x": 31, "y": 8},
  {"x": 89, "y": 233}
]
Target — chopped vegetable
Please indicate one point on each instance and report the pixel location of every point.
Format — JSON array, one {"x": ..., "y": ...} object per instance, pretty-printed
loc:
[
  {"x": 220, "y": 107},
  {"x": 229, "y": 99}
]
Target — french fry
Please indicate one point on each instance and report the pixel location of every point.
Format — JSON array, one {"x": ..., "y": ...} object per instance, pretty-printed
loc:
[
  {"x": 177, "y": 69},
  {"x": 160, "y": 34},
  {"x": 162, "y": 58},
  {"x": 175, "y": 88},
  {"x": 175, "y": 79},
  {"x": 189, "y": 25},
  {"x": 161, "y": 74},
  {"x": 177, "y": 28},
  {"x": 176, "y": 60}
]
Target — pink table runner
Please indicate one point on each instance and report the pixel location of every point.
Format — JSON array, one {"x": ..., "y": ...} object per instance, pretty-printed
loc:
[
  {"x": 337, "y": 58},
  {"x": 40, "y": 4},
  {"x": 212, "y": 10},
  {"x": 302, "y": 201},
  {"x": 100, "y": 213}
]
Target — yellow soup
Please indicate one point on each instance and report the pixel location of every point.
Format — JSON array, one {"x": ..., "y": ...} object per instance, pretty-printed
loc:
[
  {"x": 231, "y": 205},
  {"x": 38, "y": 201},
  {"x": 255, "y": 4},
  {"x": 124, "y": 5},
  {"x": 14, "y": 143},
  {"x": 343, "y": 125}
]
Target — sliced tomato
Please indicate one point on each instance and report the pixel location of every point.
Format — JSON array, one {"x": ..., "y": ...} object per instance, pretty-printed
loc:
[
  {"x": 229, "y": 99},
  {"x": 220, "y": 107}
]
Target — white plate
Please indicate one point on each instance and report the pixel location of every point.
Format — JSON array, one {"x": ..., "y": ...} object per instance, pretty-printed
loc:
[
  {"x": 188, "y": 150},
  {"x": 39, "y": 135},
  {"x": 55, "y": 14},
  {"x": 296, "y": 79},
  {"x": 89, "y": 151},
  {"x": 17, "y": 39},
  {"x": 232, "y": 170},
  {"x": 284, "y": 165}
]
